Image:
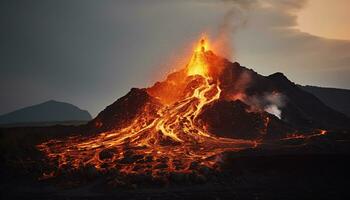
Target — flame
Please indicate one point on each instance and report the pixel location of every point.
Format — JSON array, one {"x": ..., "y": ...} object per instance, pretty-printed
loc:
[{"x": 198, "y": 64}]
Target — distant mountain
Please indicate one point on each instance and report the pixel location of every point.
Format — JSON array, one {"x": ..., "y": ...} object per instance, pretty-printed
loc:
[
  {"x": 338, "y": 99},
  {"x": 49, "y": 111}
]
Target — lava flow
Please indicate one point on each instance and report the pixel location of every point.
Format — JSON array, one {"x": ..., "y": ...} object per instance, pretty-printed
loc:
[{"x": 171, "y": 140}]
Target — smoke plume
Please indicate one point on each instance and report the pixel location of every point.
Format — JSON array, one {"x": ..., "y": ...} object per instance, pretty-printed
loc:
[
  {"x": 234, "y": 18},
  {"x": 273, "y": 103}
]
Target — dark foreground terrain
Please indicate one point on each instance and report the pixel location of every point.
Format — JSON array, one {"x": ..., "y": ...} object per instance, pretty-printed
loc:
[{"x": 299, "y": 168}]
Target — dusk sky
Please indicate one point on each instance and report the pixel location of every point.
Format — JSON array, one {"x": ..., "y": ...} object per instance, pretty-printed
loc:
[{"x": 90, "y": 53}]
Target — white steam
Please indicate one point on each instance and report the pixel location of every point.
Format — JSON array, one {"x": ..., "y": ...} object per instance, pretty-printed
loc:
[
  {"x": 273, "y": 103},
  {"x": 274, "y": 110}
]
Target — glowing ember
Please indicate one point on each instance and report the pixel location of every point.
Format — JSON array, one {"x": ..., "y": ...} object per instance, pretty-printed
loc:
[
  {"x": 169, "y": 142},
  {"x": 301, "y": 136},
  {"x": 198, "y": 64}
]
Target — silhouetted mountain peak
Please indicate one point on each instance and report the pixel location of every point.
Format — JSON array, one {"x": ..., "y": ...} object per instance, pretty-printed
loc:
[
  {"x": 48, "y": 111},
  {"x": 279, "y": 77},
  {"x": 52, "y": 102},
  {"x": 336, "y": 98}
]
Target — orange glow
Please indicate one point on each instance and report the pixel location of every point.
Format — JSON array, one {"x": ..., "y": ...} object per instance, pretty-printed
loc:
[
  {"x": 169, "y": 141},
  {"x": 198, "y": 64},
  {"x": 157, "y": 141},
  {"x": 334, "y": 26},
  {"x": 301, "y": 136}
]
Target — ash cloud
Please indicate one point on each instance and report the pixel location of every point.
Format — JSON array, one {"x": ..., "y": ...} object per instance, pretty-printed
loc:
[
  {"x": 235, "y": 17},
  {"x": 91, "y": 45},
  {"x": 264, "y": 34}
]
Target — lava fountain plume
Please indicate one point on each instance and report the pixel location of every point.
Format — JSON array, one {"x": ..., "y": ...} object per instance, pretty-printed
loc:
[
  {"x": 198, "y": 64},
  {"x": 170, "y": 140}
]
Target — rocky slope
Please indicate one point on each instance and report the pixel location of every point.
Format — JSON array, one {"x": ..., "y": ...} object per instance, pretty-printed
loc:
[{"x": 250, "y": 105}]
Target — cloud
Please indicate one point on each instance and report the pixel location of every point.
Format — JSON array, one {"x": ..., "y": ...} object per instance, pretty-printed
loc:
[
  {"x": 286, "y": 5},
  {"x": 271, "y": 42},
  {"x": 266, "y": 38},
  {"x": 90, "y": 53}
]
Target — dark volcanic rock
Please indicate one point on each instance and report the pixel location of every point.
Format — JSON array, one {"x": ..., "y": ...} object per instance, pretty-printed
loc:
[
  {"x": 299, "y": 109},
  {"x": 233, "y": 119},
  {"x": 338, "y": 99},
  {"x": 305, "y": 110},
  {"x": 239, "y": 112},
  {"x": 122, "y": 111},
  {"x": 107, "y": 154},
  {"x": 276, "y": 169}
]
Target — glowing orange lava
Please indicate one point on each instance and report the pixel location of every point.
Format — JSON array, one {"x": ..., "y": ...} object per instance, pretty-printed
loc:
[
  {"x": 198, "y": 63},
  {"x": 171, "y": 141},
  {"x": 319, "y": 132}
]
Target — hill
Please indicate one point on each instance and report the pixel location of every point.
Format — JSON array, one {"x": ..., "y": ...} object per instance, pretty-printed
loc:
[
  {"x": 49, "y": 111},
  {"x": 338, "y": 99}
]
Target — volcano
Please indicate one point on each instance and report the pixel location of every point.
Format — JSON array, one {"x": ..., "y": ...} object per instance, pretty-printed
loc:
[{"x": 187, "y": 121}]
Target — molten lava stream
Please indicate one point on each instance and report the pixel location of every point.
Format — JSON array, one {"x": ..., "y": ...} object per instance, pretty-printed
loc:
[{"x": 170, "y": 142}]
